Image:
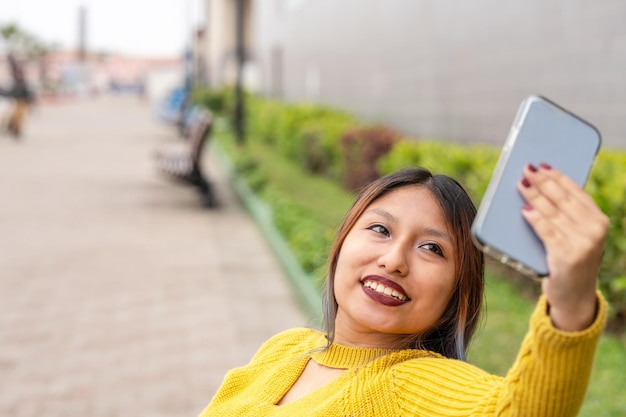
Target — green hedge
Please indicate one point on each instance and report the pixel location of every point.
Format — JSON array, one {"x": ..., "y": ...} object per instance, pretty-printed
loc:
[
  {"x": 469, "y": 164},
  {"x": 306, "y": 133}
]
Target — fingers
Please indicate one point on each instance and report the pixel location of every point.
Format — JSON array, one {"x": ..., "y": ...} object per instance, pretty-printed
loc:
[
  {"x": 567, "y": 220},
  {"x": 555, "y": 194},
  {"x": 557, "y": 207}
]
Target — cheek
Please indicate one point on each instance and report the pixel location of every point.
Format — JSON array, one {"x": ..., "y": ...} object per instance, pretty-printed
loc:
[
  {"x": 352, "y": 253},
  {"x": 351, "y": 256},
  {"x": 448, "y": 283},
  {"x": 343, "y": 269},
  {"x": 445, "y": 290},
  {"x": 438, "y": 285}
]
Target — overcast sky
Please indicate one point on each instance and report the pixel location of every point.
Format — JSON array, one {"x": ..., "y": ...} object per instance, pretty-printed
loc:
[{"x": 144, "y": 27}]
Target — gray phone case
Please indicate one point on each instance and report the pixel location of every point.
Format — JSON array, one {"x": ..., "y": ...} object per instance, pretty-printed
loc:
[{"x": 542, "y": 132}]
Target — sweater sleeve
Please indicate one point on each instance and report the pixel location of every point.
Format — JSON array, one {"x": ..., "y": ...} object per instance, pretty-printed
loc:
[
  {"x": 548, "y": 379},
  {"x": 552, "y": 370}
]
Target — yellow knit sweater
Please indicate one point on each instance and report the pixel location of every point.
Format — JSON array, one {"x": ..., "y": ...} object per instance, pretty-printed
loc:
[{"x": 548, "y": 378}]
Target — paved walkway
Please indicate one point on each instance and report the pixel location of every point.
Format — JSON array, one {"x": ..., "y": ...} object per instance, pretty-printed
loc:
[{"x": 119, "y": 294}]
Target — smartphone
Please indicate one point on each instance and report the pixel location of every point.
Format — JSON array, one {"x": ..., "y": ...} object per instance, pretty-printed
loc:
[{"x": 542, "y": 131}]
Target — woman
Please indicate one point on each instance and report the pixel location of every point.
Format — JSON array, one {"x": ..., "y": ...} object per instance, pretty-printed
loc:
[{"x": 402, "y": 300}]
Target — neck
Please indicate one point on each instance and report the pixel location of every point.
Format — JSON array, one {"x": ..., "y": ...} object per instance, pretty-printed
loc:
[{"x": 366, "y": 338}]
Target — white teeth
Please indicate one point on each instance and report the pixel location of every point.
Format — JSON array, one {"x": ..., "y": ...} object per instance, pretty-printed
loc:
[{"x": 381, "y": 289}]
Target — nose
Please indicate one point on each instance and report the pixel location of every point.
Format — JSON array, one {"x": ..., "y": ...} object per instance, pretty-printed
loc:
[{"x": 394, "y": 259}]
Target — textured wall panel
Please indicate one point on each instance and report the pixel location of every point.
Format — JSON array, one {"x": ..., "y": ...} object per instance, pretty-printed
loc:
[{"x": 450, "y": 70}]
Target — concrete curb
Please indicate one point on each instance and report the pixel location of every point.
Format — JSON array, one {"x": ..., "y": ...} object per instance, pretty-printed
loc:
[{"x": 307, "y": 295}]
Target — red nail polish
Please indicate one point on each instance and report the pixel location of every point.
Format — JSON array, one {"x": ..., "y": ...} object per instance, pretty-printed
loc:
[
  {"x": 525, "y": 182},
  {"x": 545, "y": 166},
  {"x": 532, "y": 168},
  {"x": 527, "y": 207}
]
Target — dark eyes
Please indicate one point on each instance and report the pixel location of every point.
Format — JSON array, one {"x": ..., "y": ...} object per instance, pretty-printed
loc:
[
  {"x": 433, "y": 247},
  {"x": 430, "y": 246},
  {"x": 379, "y": 229}
]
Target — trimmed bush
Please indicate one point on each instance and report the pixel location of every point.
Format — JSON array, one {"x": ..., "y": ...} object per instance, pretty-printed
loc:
[
  {"x": 319, "y": 151},
  {"x": 262, "y": 117},
  {"x": 362, "y": 148}
]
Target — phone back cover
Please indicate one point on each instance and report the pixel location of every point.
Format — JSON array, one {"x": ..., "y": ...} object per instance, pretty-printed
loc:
[{"x": 542, "y": 132}]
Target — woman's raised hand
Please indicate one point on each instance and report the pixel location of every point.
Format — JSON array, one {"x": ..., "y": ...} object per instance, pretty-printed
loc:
[{"x": 573, "y": 230}]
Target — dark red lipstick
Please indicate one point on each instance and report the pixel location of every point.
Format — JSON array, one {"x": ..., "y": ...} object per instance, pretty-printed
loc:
[{"x": 384, "y": 290}]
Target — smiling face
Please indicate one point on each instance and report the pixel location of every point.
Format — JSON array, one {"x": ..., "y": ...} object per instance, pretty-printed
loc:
[{"x": 395, "y": 272}]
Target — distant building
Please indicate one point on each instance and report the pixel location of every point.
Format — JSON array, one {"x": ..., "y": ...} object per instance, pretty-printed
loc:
[
  {"x": 62, "y": 73},
  {"x": 448, "y": 70}
]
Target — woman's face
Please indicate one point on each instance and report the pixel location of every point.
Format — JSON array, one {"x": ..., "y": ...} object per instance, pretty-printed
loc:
[{"x": 396, "y": 270}]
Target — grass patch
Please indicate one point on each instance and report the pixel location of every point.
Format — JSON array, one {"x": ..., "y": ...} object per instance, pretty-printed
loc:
[{"x": 605, "y": 397}]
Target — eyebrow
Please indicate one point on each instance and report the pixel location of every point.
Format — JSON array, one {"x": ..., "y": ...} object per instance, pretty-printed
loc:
[{"x": 425, "y": 230}]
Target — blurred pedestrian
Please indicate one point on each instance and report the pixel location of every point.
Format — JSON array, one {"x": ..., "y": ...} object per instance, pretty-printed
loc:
[{"x": 21, "y": 96}]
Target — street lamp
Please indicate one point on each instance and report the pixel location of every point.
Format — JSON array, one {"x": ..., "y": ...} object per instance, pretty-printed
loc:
[{"x": 239, "y": 116}]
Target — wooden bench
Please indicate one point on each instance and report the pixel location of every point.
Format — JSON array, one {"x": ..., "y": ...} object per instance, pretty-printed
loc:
[{"x": 183, "y": 163}]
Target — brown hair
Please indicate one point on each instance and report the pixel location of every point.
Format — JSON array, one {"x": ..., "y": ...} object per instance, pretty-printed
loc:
[{"x": 452, "y": 333}]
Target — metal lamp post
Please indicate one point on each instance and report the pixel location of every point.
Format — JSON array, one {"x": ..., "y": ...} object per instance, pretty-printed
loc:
[{"x": 239, "y": 116}]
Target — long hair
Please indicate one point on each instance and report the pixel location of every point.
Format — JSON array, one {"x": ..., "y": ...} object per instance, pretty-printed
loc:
[{"x": 451, "y": 334}]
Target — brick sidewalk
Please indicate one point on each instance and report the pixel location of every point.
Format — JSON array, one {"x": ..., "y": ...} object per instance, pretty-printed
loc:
[{"x": 119, "y": 294}]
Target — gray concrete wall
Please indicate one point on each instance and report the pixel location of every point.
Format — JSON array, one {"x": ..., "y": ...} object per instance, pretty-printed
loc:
[{"x": 450, "y": 70}]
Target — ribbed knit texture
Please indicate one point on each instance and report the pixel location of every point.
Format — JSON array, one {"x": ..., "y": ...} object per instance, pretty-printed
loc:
[{"x": 549, "y": 378}]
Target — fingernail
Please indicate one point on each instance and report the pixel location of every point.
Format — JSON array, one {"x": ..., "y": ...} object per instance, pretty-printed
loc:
[
  {"x": 532, "y": 168},
  {"x": 527, "y": 207},
  {"x": 525, "y": 182},
  {"x": 545, "y": 166}
]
